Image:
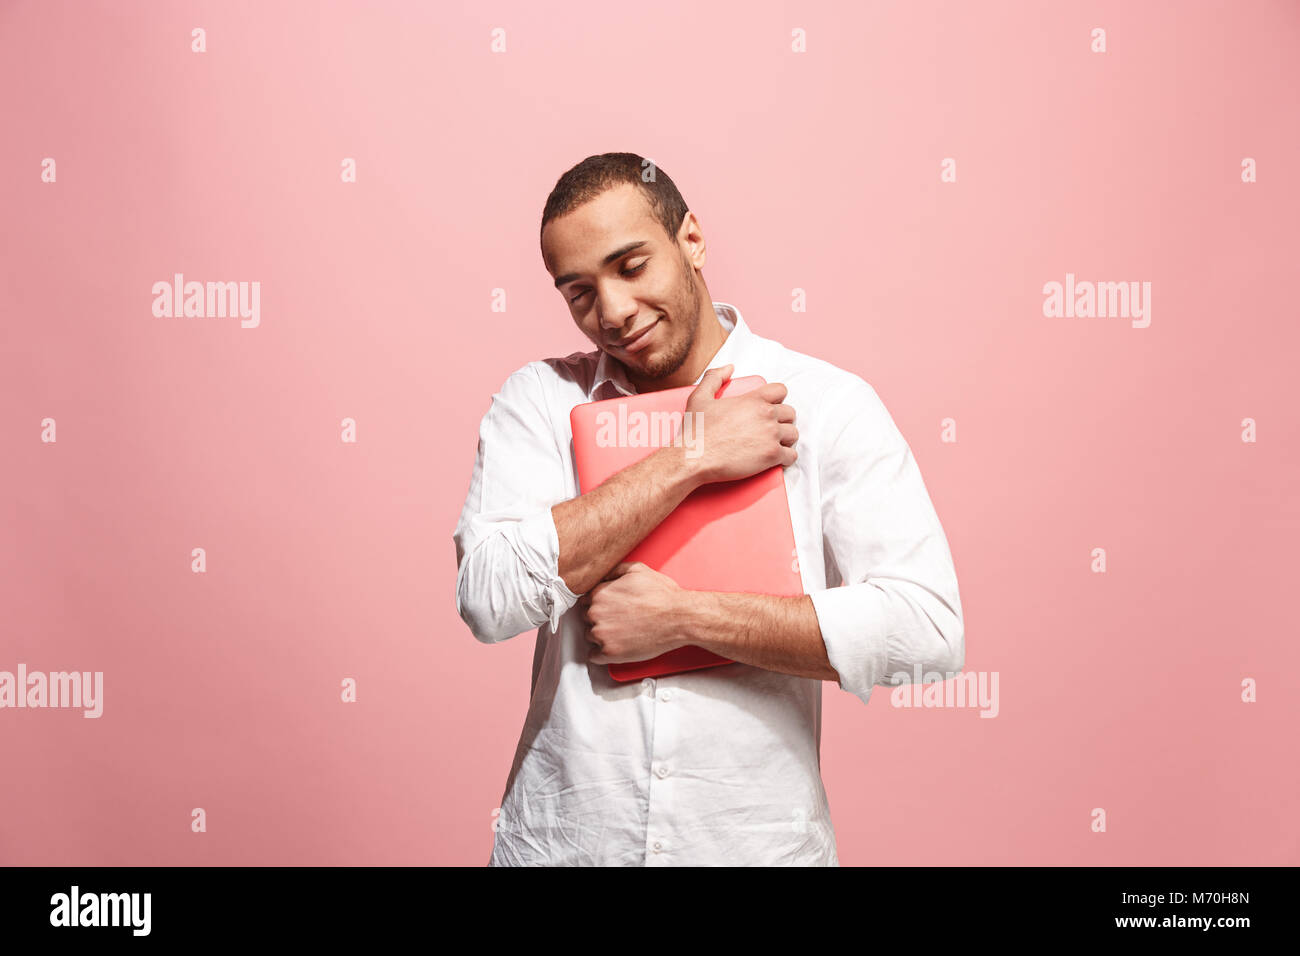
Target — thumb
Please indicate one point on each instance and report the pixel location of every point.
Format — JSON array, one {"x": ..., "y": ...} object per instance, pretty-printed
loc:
[
  {"x": 714, "y": 378},
  {"x": 622, "y": 568}
]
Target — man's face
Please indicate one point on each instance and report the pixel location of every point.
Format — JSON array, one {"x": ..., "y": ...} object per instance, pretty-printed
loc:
[{"x": 631, "y": 289}]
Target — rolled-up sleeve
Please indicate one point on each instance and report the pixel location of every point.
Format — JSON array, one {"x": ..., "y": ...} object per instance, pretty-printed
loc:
[
  {"x": 897, "y": 611},
  {"x": 507, "y": 546}
]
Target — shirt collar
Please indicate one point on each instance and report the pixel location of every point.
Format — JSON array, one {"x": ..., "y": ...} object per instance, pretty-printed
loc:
[{"x": 733, "y": 349}]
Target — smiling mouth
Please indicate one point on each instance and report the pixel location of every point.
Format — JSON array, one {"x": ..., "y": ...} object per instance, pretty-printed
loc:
[{"x": 628, "y": 343}]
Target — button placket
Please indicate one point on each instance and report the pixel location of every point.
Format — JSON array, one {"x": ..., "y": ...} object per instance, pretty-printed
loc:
[{"x": 663, "y": 749}]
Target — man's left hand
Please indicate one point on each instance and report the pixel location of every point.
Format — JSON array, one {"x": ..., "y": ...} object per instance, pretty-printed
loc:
[{"x": 633, "y": 615}]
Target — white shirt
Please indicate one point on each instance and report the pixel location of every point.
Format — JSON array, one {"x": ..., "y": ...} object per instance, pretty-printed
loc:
[{"x": 719, "y": 766}]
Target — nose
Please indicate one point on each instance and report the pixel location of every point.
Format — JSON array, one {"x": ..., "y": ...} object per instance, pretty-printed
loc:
[{"x": 615, "y": 314}]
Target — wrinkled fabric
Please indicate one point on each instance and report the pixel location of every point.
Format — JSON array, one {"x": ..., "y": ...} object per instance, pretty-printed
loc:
[{"x": 719, "y": 766}]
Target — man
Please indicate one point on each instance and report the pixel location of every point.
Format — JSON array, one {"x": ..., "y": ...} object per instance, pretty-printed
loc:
[{"x": 721, "y": 765}]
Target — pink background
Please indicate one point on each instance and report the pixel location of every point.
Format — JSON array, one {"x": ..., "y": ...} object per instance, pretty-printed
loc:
[{"x": 817, "y": 171}]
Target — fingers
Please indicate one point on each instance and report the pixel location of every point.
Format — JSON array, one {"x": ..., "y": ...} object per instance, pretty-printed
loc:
[
  {"x": 623, "y": 567},
  {"x": 713, "y": 379},
  {"x": 771, "y": 392},
  {"x": 784, "y": 413},
  {"x": 789, "y": 434}
]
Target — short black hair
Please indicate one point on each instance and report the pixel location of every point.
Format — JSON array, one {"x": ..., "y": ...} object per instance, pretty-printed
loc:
[{"x": 595, "y": 174}]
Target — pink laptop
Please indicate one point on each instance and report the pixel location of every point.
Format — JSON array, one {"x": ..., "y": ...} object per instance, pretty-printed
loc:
[{"x": 724, "y": 536}]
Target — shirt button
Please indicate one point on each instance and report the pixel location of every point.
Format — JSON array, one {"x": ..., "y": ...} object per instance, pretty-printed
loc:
[
  {"x": 662, "y": 771},
  {"x": 665, "y": 695},
  {"x": 649, "y": 686},
  {"x": 658, "y": 847}
]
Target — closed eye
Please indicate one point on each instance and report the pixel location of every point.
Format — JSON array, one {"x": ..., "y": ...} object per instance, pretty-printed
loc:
[{"x": 625, "y": 272}]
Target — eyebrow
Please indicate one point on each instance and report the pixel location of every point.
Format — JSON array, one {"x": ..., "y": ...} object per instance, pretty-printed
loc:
[{"x": 616, "y": 254}]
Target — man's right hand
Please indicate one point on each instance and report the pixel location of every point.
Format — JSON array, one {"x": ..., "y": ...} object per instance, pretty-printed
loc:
[{"x": 740, "y": 435}]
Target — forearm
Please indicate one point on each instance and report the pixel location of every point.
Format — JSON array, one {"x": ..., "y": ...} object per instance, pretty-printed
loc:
[
  {"x": 598, "y": 529},
  {"x": 764, "y": 630}
]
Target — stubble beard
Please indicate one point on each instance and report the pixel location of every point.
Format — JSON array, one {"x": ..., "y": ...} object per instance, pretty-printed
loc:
[{"x": 688, "y": 311}]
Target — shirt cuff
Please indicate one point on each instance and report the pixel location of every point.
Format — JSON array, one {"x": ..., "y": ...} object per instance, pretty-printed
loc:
[
  {"x": 537, "y": 543},
  {"x": 850, "y": 619}
]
